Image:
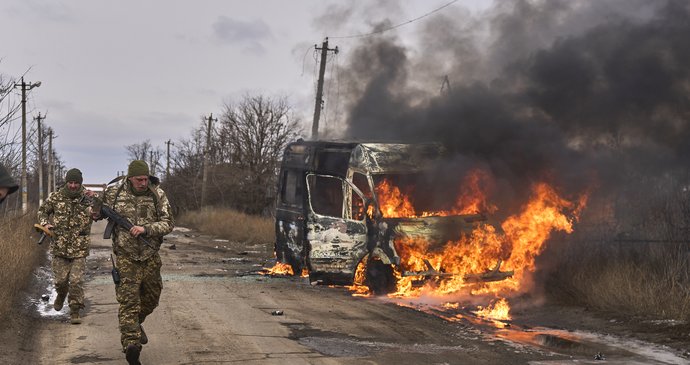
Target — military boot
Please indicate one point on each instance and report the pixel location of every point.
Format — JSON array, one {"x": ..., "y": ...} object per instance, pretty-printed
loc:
[
  {"x": 132, "y": 354},
  {"x": 59, "y": 301},
  {"x": 74, "y": 317}
]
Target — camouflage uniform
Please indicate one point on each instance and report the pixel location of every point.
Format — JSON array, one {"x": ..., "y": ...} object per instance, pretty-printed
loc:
[
  {"x": 71, "y": 218},
  {"x": 139, "y": 264}
]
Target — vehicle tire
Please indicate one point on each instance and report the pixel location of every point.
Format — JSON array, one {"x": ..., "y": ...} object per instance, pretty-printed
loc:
[
  {"x": 380, "y": 278},
  {"x": 296, "y": 266}
]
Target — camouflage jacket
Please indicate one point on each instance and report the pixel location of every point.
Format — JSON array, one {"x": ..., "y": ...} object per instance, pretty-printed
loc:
[
  {"x": 150, "y": 210},
  {"x": 71, "y": 219}
]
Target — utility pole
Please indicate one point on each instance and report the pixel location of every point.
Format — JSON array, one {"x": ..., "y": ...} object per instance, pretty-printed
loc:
[
  {"x": 51, "y": 167},
  {"x": 40, "y": 157},
  {"x": 151, "y": 164},
  {"x": 319, "y": 87},
  {"x": 25, "y": 87},
  {"x": 207, "y": 159},
  {"x": 167, "y": 163}
]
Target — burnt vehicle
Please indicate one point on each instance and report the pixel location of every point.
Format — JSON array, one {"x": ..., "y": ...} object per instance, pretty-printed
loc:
[{"x": 329, "y": 218}]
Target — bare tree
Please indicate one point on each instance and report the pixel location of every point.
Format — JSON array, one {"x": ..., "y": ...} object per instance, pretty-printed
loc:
[
  {"x": 10, "y": 148},
  {"x": 183, "y": 186},
  {"x": 139, "y": 151},
  {"x": 245, "y": 152},
  {"x": 252, "y": 134},
  {"x": 145, "y": 151}
]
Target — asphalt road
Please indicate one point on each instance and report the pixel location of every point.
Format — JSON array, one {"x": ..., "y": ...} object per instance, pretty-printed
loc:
[{"x": 216, "y": 309}]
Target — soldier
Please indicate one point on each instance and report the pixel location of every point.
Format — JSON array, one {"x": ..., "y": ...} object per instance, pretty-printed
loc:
[
  {"x": 71, "y": 221},
  {"x": 7, "y": 184},
  {"x": 140, "y": 200}
]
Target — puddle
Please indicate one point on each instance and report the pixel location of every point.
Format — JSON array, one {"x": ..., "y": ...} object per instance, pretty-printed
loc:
[{"x": 45, "y": 307}]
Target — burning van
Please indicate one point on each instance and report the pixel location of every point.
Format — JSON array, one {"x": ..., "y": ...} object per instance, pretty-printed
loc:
[{"x": 334, "y": 214}]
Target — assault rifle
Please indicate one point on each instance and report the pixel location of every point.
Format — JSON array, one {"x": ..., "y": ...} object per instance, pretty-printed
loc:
[{"x": 115, "y": 219}]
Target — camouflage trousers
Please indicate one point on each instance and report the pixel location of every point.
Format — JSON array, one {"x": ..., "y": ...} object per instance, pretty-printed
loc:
[
  {"x": 138, "y": 294},
  {"x": 69, "y": 278}
]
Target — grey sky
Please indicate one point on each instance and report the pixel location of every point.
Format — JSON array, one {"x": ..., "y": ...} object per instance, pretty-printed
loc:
[{"x": 115, "y": 73}]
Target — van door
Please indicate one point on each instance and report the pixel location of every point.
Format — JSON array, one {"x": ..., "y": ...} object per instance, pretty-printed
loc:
[
  {"x": 290, "y": 222},
  {"x": 336, "y": 228}
]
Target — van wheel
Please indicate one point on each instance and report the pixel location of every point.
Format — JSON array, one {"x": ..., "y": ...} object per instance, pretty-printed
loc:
[{"x": 380, "y": 278}]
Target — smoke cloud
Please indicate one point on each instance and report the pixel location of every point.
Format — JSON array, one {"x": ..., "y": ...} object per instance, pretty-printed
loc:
[{"x": 569, "y": 92}]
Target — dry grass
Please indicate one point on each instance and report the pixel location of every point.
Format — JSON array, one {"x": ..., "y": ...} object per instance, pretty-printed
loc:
[
  {"x": 20, "y": 257},
  {"x": 652, "y": 287},
  {"x": 231, "y": 225},
  {"x": 629, "y": 253},
  {"x": 626, "y": 286}
]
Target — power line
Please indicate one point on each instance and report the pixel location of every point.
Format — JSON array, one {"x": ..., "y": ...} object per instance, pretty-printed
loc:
[
  {"x": 305, "y": 56},
  {"x": 398, "y": 25}
]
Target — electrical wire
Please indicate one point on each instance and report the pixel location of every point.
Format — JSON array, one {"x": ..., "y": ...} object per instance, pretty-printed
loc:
[
  {"x": 397, "y": 25},
  {"x": 304, "y": 58}
]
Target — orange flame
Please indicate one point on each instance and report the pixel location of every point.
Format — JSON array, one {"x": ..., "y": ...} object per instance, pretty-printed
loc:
[
  {"x": 358, "y": 287},
  {"x": 278, "y": 269},
  {"x": 529, "y": 230},
  {"x": 472, "y": 197},
  {"x": 516, "y": 248},
  {"x": 392, "y": 202},
  {"x": 498, "y": 310}
]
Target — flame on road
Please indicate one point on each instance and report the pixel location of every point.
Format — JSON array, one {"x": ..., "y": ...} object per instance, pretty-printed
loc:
[
  {"x": 278, "y": 269},
  {"x": 497, "y": 310}
]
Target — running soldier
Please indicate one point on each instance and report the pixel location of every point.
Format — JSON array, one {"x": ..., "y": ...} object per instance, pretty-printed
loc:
[
  {"x": 70, "y": 208},
  {"x": 140, "y": 200}
]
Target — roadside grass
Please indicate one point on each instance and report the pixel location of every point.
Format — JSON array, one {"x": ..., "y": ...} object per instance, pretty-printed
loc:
[
  {"x": 19, "y": 259},
  {"x": 230, "y": 224},
  {"x": 633, "y": 260},
  {"x": 637, "y": 282}
]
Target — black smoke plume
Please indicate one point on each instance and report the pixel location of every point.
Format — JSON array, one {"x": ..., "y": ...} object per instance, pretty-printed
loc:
[{"x": 581, "y": 94}]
